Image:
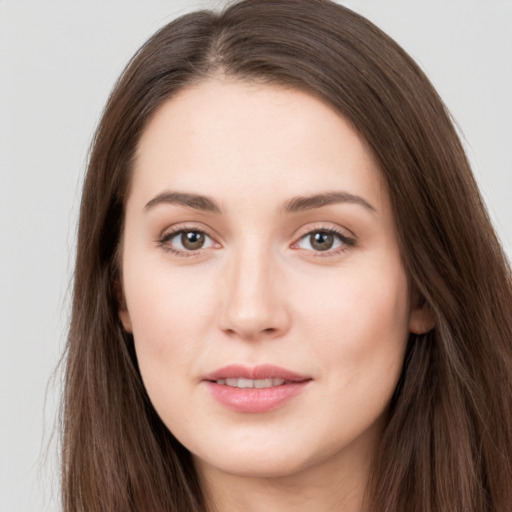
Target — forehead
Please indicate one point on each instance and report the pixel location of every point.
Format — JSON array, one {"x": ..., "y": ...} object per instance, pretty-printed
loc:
[{"x": 221, "y": 132}]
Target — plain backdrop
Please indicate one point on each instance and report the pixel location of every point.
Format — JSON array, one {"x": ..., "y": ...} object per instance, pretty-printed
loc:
[{"x": 58, "y": 62}]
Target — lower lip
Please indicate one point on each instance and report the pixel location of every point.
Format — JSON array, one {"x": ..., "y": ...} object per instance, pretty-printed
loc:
[{"x": 255, "y": 400}]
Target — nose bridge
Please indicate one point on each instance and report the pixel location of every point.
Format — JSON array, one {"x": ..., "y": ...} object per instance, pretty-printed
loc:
[{"x": 253, "y": 304}]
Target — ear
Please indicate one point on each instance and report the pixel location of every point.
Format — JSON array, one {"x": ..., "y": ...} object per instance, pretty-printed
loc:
[
  {"x": 122, "y": 310},
  {"x": 421, "y": 317}
]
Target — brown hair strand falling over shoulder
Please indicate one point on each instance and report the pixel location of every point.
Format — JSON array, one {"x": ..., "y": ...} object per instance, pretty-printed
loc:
[{"x": 448, "y": 443}]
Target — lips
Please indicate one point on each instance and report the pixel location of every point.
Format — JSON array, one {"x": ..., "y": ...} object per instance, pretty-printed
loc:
[{"x": 255, "y": 389}]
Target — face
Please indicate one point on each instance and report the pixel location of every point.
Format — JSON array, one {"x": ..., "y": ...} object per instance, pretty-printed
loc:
[{"x": 262, "y": 280}]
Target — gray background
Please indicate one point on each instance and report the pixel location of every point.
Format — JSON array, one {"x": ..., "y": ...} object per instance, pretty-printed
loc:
[{"x": 58, "y": 61}]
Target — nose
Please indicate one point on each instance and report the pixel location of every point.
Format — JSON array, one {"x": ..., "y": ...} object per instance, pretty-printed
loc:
[{"x": 254, "y": 302}]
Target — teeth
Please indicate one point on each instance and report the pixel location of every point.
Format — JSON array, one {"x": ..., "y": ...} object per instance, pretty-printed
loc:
[
  {"x": 250, "y": 383},
  {"x": 240, "y": 383},
  {"x": 263, "y": 383}
]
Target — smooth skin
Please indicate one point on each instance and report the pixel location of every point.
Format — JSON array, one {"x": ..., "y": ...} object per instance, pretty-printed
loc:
[{"x": 224, "y": 262}]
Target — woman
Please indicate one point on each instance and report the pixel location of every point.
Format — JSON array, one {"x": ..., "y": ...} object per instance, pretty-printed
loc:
[{"x": 288, "y": 294}]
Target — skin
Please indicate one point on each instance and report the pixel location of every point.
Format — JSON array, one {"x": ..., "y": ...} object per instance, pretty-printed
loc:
[{"x": 258, "y": 291}]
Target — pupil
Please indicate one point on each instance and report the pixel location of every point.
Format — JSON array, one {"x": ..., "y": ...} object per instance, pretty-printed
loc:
[
  {"x": 321, "y": 241},
  {"x": 192, "y": 240}
]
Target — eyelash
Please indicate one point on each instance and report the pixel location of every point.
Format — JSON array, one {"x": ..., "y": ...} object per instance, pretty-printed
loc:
[
  {"x": 346, "y": 241},
  {"x": 163, "y": 241}
]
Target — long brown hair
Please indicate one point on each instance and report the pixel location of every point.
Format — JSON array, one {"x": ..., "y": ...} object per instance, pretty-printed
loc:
[{"x": 448, "y": 441}]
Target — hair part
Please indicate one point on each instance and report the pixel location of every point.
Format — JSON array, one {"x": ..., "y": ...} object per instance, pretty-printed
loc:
[{"x": 447, "y": 444}]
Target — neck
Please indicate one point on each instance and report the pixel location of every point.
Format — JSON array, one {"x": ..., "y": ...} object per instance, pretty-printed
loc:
[{"x": 299, "y": 494}]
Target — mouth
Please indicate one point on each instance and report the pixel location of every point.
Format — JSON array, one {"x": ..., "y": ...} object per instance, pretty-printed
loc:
[
  {"x": 255, "y": 389},
  {"x": 250, "y": 383}
]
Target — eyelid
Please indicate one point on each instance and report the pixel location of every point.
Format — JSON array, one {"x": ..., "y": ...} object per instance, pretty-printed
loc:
[
  {"x": 347, "y": 241},
  {"x": 170, "y": 232}
]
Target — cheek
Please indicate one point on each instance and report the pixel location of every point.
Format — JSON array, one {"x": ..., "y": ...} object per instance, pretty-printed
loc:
[
  {"x": 359, "y": 323},
  {"x": 358, "y": 333},
  {"x": 163, "y": 303},
  {"x": 170, "y": 320}
]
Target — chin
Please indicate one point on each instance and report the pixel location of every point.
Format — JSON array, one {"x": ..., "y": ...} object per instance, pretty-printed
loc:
[
  {"x": 265, "y": 459},
  {"x": 256, "y": 466}
]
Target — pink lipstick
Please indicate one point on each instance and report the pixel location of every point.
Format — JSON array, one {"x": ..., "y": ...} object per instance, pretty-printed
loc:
[{"x": 254, "y": 389}]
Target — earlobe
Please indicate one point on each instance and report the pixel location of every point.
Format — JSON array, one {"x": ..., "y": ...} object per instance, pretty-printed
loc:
[
  {"x": 124, "y": 316},
  {"x": 421, "y": 318},
  {"x": 122, "y": 310}
]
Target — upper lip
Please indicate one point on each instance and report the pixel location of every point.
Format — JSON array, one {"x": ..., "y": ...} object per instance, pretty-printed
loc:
[{"x": 264, "y": 371}]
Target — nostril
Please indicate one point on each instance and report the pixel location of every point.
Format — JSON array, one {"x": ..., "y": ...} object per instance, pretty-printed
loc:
[{"x": 253, "y": 334}]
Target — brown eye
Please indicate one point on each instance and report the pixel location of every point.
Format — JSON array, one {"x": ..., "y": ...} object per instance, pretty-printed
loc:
[
  {"x": 321, "y": 241},
  {"x": 324, "y": 240},
  {"x": 186, "y": 240},
  {"x": 192, "y": 240}
]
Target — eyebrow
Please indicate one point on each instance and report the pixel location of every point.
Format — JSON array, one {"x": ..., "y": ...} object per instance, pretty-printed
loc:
[
  {"x": 301, "y": 203},
  {"x": 293, "y": 205},
  {"x": 195, "y": 201}
]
